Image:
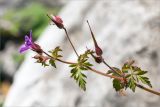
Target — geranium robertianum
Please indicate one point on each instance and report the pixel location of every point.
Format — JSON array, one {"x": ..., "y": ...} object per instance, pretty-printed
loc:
[
  {"x": 29, "y": 44},
  {"x": 98, "y": 50},
  {"x": 128, "y": 76},
  {"x": 57, "y": 21}
]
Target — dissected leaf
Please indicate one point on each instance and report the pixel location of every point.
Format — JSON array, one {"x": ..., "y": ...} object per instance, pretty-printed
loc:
[
  {"x": 118, "y": 71},
  {"x": 84, "y": 57},
  {"x": 83, "y": 68},
  {"x": 55, "y": 53},
  {"x": 109, "y": 71},
  {"x": 132, "y": 84},
  {"x": 145, "y": 80},
  {"x": 117, "y": 85},
  {"x": 88, "y": 64},
  {"x": 77, "y": 74},
  {"x": 52, "y": 62},
  {"x": 128, "y": 75},
  {"x": 134, "y": 75},
  {"x": 77, "y": 68},
  {"x": 142, "y": 72},
  {"x": 125, "y": 68},
  {"x": 73, "y": 65},
  {"x": 41, "y": 59},
  {"x": 44, "y": 64}
]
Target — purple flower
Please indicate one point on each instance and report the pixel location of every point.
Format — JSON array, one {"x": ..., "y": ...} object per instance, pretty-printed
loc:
[{"x": 29, "y": 44}]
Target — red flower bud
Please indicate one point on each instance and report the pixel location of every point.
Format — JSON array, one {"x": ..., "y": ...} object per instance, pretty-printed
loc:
[
  {"x": 97, "y": 59},
  {"x": 57, "y": 21},
  {"x": 41, "y": 58},
  {"x": 98, "y": 50},
  {"x": 35, "y": 47}
]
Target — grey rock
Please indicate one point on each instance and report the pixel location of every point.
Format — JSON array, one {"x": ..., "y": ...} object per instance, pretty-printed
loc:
[
  {"x": 6, "y": 5},
  {"x": 125, "y": 29},
  {"x": 6, "y": 59}
]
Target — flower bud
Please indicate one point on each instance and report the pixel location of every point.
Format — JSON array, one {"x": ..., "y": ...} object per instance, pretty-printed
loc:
[
  {"x": 41, "y": 58},
  {"x": 97, "y": 59},
  {"x": 57, "y": 21},
  {"x": 98, "y": 50},
  {"x": 35, "y": 47}
]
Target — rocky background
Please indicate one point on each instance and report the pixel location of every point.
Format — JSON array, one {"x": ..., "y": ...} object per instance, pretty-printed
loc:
[
  {"x": 17, "y": 17},
  {"x": 125, "y": 29}
]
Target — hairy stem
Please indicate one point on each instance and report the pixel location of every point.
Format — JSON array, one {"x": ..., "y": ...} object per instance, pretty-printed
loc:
[
  {"x": 148, "y": 90},
  {"x": 66, "y": 62},
  {"x": 70, "y": 41},
  {"x": 49, "y": 17},
  {"x": 106, "y": 75},
  {"x": 67, "y": 38},
  {"x": 93, "y": 70},
  {"x": 113, "y": 70}
]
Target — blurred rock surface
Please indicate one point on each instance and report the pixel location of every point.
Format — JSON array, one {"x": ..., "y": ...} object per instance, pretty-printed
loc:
[
  {"x": 8, "y": 4},
  {"x": 126, "y": 29}
]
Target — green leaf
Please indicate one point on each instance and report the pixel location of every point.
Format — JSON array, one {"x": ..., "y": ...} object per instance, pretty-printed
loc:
[
  {"x": 134, "y": 74},
  {"x": 83, "y": 68},
  {"x": 109, "y": 71},
  {"x": 84, "y": 57},
  {"x": 52, "y": 62},
  {"x": 44, "y": 64},
  {"x": 117, "y": 85},
  {"x": 145, "y": 80},
  {"x": 73, "y": 65},
  {"x": 125, "y": 68},
  {"x": 77, "y": 75},
  {"x": 76, "y": 71},
  {"x": 132, "y": 84},
  {"x": 88, "y": 64},
  {"x": 142, "y": 72},
  {"x": 118, "y": 71},
  {"x": 128, "y": 75},
  {"x": 55, "y": 52}
]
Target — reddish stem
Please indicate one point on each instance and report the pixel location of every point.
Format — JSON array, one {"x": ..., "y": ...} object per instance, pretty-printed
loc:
[{"x": 70, "y": 41}]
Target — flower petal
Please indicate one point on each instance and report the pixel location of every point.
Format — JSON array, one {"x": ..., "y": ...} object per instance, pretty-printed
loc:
[
  {"x": 58, "y": 19},
  {"x": 28, "y": 42},
  {"x": 23, "y": 48},
  {"x": 26, "y": 38},
  {"x": 30, "y": 35}
]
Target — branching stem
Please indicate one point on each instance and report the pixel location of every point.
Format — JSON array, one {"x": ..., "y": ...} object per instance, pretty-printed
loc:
[
  {"x": 120, "y": 77},
  {"x": 148, "y": 90},
  {"x": 104, "y": 74},
  {"x": 113, "y": 70},
  {"x": 93, "y": 70}
]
